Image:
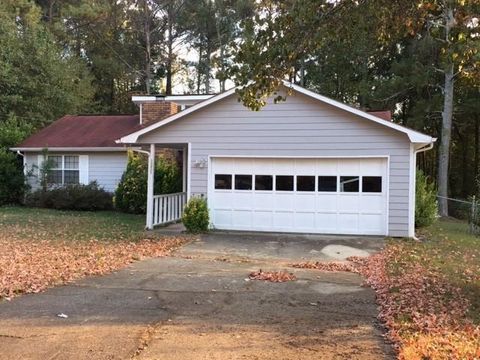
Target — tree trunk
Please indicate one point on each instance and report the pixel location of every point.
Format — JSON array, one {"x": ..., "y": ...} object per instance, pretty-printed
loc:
[
  {"x": 148, "y": 51},
  {"x": 169, "y": 73},
  {"x": 199, "y": 69},
  {"x": 444, "y": 148},
  {"x": 447, "y": 117},
  {"x": 208, "y": 54}
]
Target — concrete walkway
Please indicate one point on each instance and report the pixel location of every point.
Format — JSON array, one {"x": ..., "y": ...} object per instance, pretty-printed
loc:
[{"x": 198, "y": 304}]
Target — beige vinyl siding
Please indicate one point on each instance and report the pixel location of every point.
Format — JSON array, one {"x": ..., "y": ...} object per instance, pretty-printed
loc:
[
  {"x": 301, "y": 126},
  {"x": 105, "y": 168}
]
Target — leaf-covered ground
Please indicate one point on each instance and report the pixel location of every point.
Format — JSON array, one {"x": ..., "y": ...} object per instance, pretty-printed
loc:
[
  {"x": 429, "y": 293},
  {"x": 42, "y": 248}
]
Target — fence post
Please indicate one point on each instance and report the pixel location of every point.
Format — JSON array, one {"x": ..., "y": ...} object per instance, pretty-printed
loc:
[{"x": 473, "y": 215}]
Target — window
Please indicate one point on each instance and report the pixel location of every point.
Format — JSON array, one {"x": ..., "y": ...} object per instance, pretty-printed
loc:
[
  {"x": 372, "y": 184},
  {"x": 327, "y": 183},
  {"x": 64, "y": 169},
  {"x": 349, "y": 183},
  {"x": 284, "y": 183},
  {"x": 223, "y": 181},
  {"x": 305, "y": 183},
  {"x": 243, "y": 182},
  {"x": 264, "y": 182}
]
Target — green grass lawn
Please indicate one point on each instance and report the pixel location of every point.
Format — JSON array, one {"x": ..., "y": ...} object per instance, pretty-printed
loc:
[
  {"x": 46, "y": 224},
  {"x": 449, "y": 248}
]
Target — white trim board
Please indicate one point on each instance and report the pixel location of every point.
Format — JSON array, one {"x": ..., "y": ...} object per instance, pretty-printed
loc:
[
  {"x": 67, "y": 149},
  {"x": 414, "y": 136}
]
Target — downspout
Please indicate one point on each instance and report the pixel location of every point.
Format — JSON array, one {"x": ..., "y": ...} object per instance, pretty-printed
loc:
[
  {"x": 417, "y": 151},
  {"x": 24, "y": 162}
]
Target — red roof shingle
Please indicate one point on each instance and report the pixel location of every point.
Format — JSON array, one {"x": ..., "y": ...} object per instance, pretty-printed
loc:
[{"x": 84, "y": 131}]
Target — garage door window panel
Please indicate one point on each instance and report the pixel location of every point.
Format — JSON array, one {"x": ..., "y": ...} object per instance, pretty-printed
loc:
[
  {"x": 372, "y": 184},
  {"x": 284, "y": 183},
  {"x": 223, "y": 182},
  {"x": 327, "y": 184},
  {"x": 306, "y": 183},
  {"x": 350, "y": 184},
  {"x": 263, "y": 182},
  {"x": 243, "y": 182}
]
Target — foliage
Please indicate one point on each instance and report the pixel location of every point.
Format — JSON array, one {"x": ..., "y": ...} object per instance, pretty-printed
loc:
[
  {"x": 13, "y": 130},
  {"x": 42, "y": 248},
  {"x": 131, "y": 193},
  {"x": 426, "y": 209},
  {"x": 12, "y": 184},
  {"x": 89, "y": 197},
  {"x": 195, "y": 215},
  {"x": 39, "y": 81},
  {"x": 168, "y": 177}
]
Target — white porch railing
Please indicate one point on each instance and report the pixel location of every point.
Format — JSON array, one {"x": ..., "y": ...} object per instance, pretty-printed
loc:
[{"x": 168, "y": 208}]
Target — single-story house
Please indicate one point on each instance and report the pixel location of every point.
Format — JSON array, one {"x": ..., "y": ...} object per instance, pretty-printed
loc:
[
  {"x": 84, "y": 148},
  {"x": 307, "y": 165}
]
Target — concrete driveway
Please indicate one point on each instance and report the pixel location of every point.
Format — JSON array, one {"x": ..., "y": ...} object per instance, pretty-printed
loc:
[{"x": 198, "y": 304}]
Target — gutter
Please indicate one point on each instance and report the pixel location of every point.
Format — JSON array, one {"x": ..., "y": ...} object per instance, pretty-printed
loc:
[
  {"x": 426, "y": 147},
  {"x": 140, "y": 151}
]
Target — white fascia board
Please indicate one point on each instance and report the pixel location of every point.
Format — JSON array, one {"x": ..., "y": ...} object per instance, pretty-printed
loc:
[
  {"x": 178, "y": 99},
  {"x": 133, "y": 137},
  {"x": 80, "y": 149},
  {"x": 414, "y": 136},
  {"x": 141, "y": 99}
]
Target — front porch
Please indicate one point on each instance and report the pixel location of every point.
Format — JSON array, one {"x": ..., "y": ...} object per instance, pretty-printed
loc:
[{"x": 166, "y": 208}]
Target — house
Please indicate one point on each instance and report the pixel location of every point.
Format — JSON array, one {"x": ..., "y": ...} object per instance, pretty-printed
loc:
[
  {"x": 307, "y": 165},
  {"x": 84, "y": 148}
]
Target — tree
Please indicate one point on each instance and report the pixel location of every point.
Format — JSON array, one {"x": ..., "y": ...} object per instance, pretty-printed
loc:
[
  {"x": 38, "y": 81},
  {"x": 283, "y": 35}
]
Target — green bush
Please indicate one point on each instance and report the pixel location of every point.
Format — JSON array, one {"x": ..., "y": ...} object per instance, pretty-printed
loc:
[
  {"x": 131, "y": 193},
  {"x": 195, "y": 216},
  {"x": 12, "y": 179},
  {"x": 89, "y": 197},
  {"x": 426, "y": 208}
]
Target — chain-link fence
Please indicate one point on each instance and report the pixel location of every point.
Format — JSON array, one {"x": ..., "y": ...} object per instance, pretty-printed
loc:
[{"x": 468, "y": 210}]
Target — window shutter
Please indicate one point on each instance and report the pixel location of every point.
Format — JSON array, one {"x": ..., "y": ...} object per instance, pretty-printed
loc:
[{"x": 83, "y": 167}]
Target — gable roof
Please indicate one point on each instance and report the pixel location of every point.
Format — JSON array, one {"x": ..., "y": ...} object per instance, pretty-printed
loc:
[
  {"x": 377, "y": 117},
  {"x": 82, "y": 131}
]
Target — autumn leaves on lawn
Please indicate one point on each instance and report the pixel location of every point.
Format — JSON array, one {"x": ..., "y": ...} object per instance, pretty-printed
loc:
[{"x": 31, "y": 266}]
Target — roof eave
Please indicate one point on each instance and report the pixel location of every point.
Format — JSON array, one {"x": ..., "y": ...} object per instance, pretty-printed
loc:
[{"x": 58, "y": 148}]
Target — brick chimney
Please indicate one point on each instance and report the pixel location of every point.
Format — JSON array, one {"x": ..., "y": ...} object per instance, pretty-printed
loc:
[{"x": 151, "y": 111}]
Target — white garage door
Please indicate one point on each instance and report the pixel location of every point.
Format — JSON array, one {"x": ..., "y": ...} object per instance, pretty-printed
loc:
[{"x": 331, "y": 196}]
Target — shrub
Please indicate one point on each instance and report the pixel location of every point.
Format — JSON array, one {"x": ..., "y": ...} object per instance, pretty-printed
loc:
[
  {"x": 195, "y": 216},
  {"x": 425, "y": 202},
  {"x": 89, "y": 197},
  {"x": 12, "y": 179},
  {"x": 131, "y": 193}
]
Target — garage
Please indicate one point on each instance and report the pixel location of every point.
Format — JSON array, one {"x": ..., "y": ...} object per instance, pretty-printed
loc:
[{"x": 304, "y": 195}]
